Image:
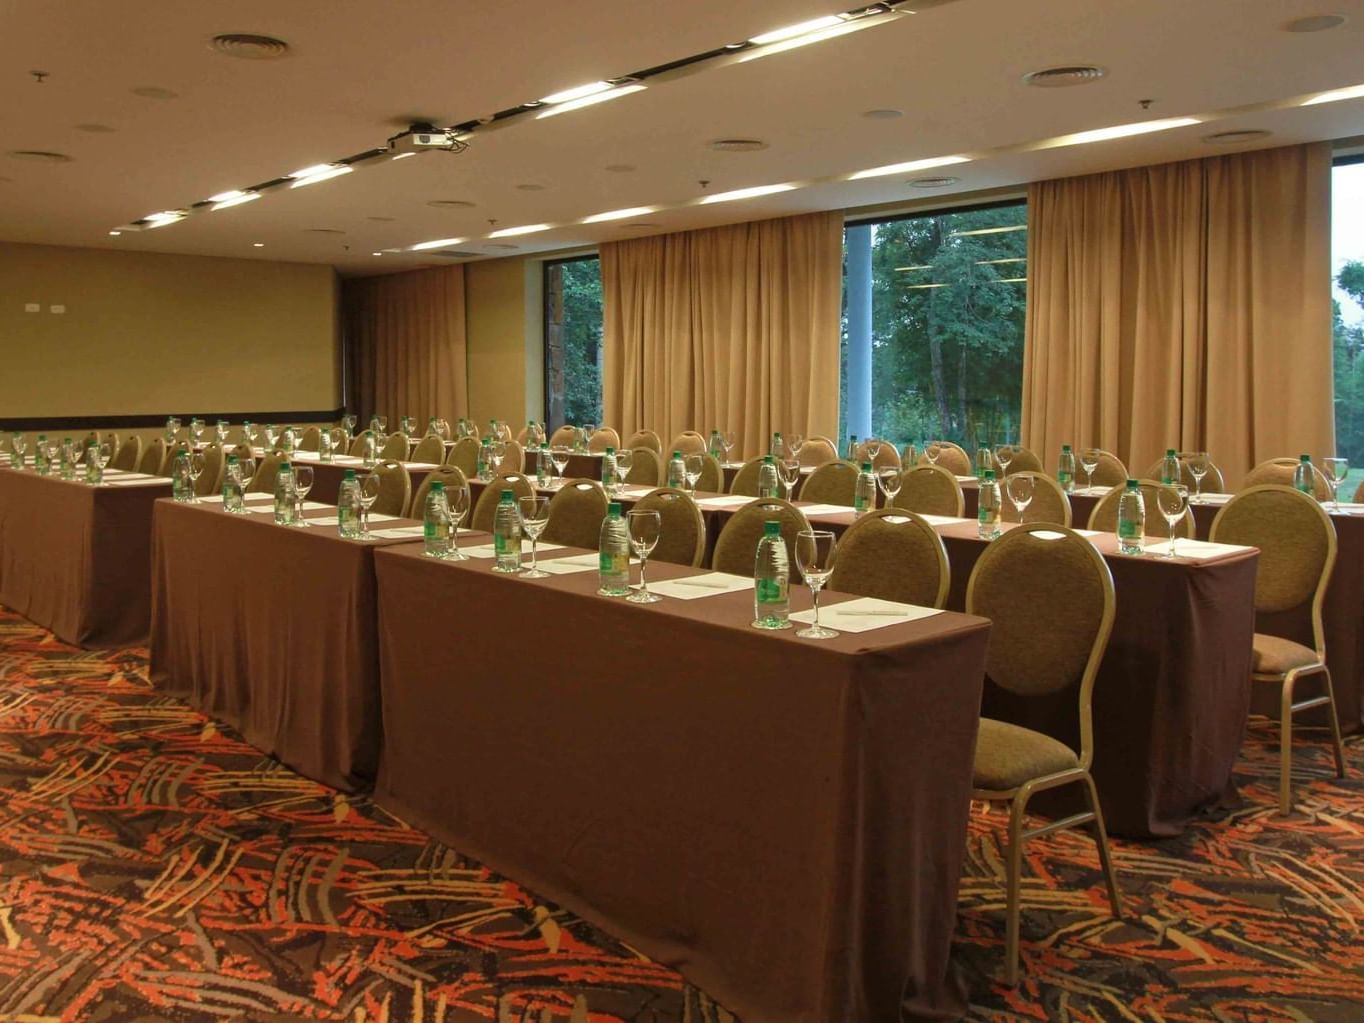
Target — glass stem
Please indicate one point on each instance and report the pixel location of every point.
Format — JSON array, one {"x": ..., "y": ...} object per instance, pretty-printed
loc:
[
  {"x": 814, "y": 598},
  {"x": 643, "y": 585},
  {"x": 534, "y": 553}
]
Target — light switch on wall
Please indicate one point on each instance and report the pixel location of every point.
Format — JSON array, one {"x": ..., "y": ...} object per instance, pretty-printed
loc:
[
  {"x": 56, "y": 309},
  {"x": 32, "y": 307}
]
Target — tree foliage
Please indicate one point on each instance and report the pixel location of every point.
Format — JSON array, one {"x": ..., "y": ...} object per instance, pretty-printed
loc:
[
  {"x": 1348, "y": 348},
  {"x": 579, "y": 285}
]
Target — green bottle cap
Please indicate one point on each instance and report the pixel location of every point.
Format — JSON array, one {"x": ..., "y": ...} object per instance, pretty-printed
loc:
[
  {"x": 1065, "y": 447},
  {"x": 349, "y": 474},
  {"x": 767, "y": 459},
  {"x": 1131, "y": 484},
  {"x": 507, "y": 497},
  {"x": 232, "y": 460},
  {"x": 1304, "y": 458},
  {"x": 989, "y": 474},
  {"x": 771, "y": 528},
  {"x": 1169, "y": 452},
  {"x": 610, "y": 451},
  {"x": 437, "y": 487},
  {"x": 866, "y": 467},
  {"x": 613, "y": 509},
  {"x": 777, "y": 434},
  {"x": 677, "y": 454}
]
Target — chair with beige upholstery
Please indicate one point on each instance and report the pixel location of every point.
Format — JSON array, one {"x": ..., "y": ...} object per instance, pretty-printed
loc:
[
  {"x": 567, "y": 435},
  {"x": 1297, "y": 543},
  {"x": 646, "y": 439},
  {"x": 448, "y": 475},
  {"x": 516, "y": 482},
  {"x": 745, "y": 481},
  {"x": 1213, "y": 483},
  {"x": 952, "y": 457},
  {"x": 523, "y": 434},
  {"x": 817, "y": 450},
  {"x": 712, "y": 478},
  {"x": 395, "y": 447},
  {"x": 357, "y": 444},
  {"x": 1104, "y": 517},
  {"x": 737, "y": 545},
  {"x": 1049, "y": 502},
  {"x": 930, "y": 490},
  {"x": 502, "y": 430},
  {"x": 245, "y": 457},
  {"x": 263, "y": 480},
  {"x": 169, "y": 460},
  {"x": 210, "y": 481},
  {"x": 689, "y": 442},
  {"x": 886, "y": 456},
  {"x": 127, "y": 456},
  {"x": 832, "y": 483},
  {"x": 395, "y": 488},
  {"x": 464, "y": 456},
  {"x": 152, "y": 457},
  {"x": 1049, "y": 596},
  {"x": 430, "y": 449},
  {"x": 575, "y": 514},
  {"x": 604, "y": 437},
  {"x": 1024, "y": 460},
  {"x": 892, "y": 554},
  {"x": 311, "y": 439},
  {"x": 1280, "y": 471},
  {"x": 682, "y": 538},
  {"x": 1110, "y": 472},
  {"x": 646, "y": 468},
  {"x": 513, "y": 459},
  {"x": 94, "y": 437}
]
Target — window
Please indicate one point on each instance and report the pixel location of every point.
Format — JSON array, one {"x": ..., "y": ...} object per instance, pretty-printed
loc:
[
  {"x": 573, "y": 354},
  {"x": 1347, "y": 274},
  {"x": 937, "y": 352}
]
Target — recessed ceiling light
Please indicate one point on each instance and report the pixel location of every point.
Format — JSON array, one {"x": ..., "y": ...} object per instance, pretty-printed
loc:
[
  {"x": 1315, "y": 23},
  {"x": 746, "y": 193},
  {"x": 941, "y": 182},
  {"x": 530, "y": 187},
  {"x": 114, "y": 234},
  {"x": 39, "y": 156},
  {"x": 885, "y": 114},
  {"x": 95, "y": 129},
  {"x": 163, "y": 218},
  {"x": 1335, "y": 95},
  {"x": 512, "y": 232},
  {"x": 440, "y": 204},
  {"x": 376, "y": 253},
  {"x": 912, "y": 165},
  {"x": 154, "y": 92},
  {"x": 1231, "y": 138},
  {"x": 439, "y": 243},
  {"x": 620, "y": 168},
  {"x": 248, "y": 46},
  {"x": 633, "y": 211},
  {"x": 258, "y": 245},
  {"x": 1064, "y": 75},
  {"x": 737, "y": 145}
]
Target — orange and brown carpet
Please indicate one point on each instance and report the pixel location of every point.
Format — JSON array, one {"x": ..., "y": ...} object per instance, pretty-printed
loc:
[{"x": 155, "y": 867}]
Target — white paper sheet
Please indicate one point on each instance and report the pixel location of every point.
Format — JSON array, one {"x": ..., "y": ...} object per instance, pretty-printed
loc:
[
  {"x": 710, "y": 584},
  {"x": 1194, "y": 550},
  {"x": 865, "y": 614},
  {"x": 824, "y": 509},
  {"x": 725, "y": 501}
]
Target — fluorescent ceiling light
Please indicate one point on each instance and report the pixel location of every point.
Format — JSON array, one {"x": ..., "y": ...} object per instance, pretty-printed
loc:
[
  {"x": 988, "y": 230},
  {"x": 512, "y": 232},
  {"x": 225, "y": 196},
  {"x": 439, "y": 243},
  {"x": 236, "y": 200},
  {"x": 326, "y": 173},
  {"x": 587, "y": 101},
  {"x": 1011, "y": 259},
  {"x": 842, "y": 28},
  {"x": 746, "y": 193},
  {"x": 1120, "y": 131},
  {"x": 403, "y": 156},
  {"x": 906, "y": 168},
  {"x": 308, "y": 172},
  {"x": 903, "y": 269},
  {"x": 633, "y": 211},
  {"x": 1335, "y": 95},
  {"x": 568, "y": 95},
  {"x": 163, "y": 218},
  {"x": 792, "y": 31}
]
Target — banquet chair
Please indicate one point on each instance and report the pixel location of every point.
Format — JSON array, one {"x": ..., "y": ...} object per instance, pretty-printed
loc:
[
  {"x": 886, "y": 456},
  {"x": 395, "y": 447},
  {"x": 1025, "y": 460},
  {"x": 464, "y": 455},
  {"x": 168, "y": 459},
  {"x": 1104, "y": 517},
  {"x": 1110, "y": 472},
  {"x": 357, "y": 444},
  {"x": 1213, "y": 483},
  {"x": 1049, "y": 502},
  {"x": 1049, "y": 596},
  {"x": 817, "y": 450},
  {"x": 646, "y": 439},
  {"x": 682, "y": 536},
  {"x": 395, "y": 488},
  {"x": 564, "y": 435},
  {"x": 832, "y": 483},
  {"x": 603, "y": 438},
  {"x": 646, "y": 468},
  {"x": 1280, "y": 471},
  {"x": 263, "y": 480},
  {"x": 1297, "y": 543},
  {"x": 127, "y": 456},
  {"x": 93, "y": 437},
  {"x": 1359, "y": 493},
  {"x": 523, "y": 435},
  {"x": 210, "y": 481},
  {"x": 311, "y": 439},
  {"x": 430, "y": 449},
  {"x": 746, "y": 480},
  {"x": 689, "y": 442},
  {"x": 575, "y": 514},
  {"x": 504, "y": 431},
  {"x": 953, "y": 458},
  {"x": 737, "y": 545},
  {"x": 516, "y": 482},
  {"x": 892, "y": 554},
  {"x": 712, "y": 478},
  {"x": 448, "y": 475},
  {"x": 514, "y": 460},
  {"x": 930, "y": 490}
]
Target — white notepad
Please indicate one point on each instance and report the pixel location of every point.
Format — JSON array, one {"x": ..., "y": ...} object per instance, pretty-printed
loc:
[
  {"x": 1195, "y": 550},
  {"x": 824, "y": 509},
  {"x": 865, "y": 614},
  {"x": 725, "y": 501},
  {"x": 711, "y": 584}
]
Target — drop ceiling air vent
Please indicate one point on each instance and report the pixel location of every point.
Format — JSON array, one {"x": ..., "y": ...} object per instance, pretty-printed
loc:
[
  {"x": 39, "y": 156},
  {"x": 932, "y": 182},
  {"x": 737, "y": 145},
  {"x": 1231, "y": 138},
  {"x": 247, "y": 46},
  {"x": 453, "y": 254},
  {"x": 1066, "y": 74}
]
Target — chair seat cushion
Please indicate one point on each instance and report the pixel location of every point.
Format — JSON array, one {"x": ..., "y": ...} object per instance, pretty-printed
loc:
[
  {"x": 1009, "y": 755},
  {"x": 1274, "y": 655}
]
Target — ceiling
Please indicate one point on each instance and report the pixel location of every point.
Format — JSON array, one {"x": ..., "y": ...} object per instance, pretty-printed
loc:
[{"x": 359, "y": 71}]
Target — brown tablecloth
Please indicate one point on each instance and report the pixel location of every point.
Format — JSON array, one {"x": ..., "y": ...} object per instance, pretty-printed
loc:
[
  {"x": 580, "y": 466},
  {"x": 76, "y": 559},
  {"x": 327, "y": 476},
  {"x": 272, "y": 630},
  {"x": 780, "y": 819}
]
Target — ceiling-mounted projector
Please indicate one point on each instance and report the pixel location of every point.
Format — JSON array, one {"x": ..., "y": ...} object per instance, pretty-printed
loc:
[{"x": 423, "y": 138}]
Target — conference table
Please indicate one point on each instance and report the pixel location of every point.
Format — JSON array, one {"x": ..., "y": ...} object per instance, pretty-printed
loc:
[
  {"x": 75, "y": 558},
  {"x": 783, "y": 820},
  {"x": 327, "y": 476}
]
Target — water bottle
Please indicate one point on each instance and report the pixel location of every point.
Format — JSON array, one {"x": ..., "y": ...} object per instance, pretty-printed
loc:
[
  {"x": 40, "y": 465},
  {"x": 677, "y": 471},
  {"x": 613, "y": 554},
  {"x": 507, "y": 534},
  {"x": 287, "y": 440},
  {"x": 182, "y": 487},
  {"x": 94, "y": 473},
  {"x": 432, "y": 430},
  {"x": 485, "y": 459},
  {"x": 717, "y": 445},
  {"x": 1302, "y": 476},
  {"x": 984, "y": 459},
  {"x": 608, "y": 470},
  {"x": 436, "y": 525},
  {"x": 348, "y": 505},
  {"x": 778, "y": 447},
  {"x": 768, "y": 483},
  {"x": 1131, "y": 519},
  {"x": 233, "y": 486},
  {"x": 851, "y": 453},
  {"x": 864, "y": 492},
  {"x": 68, "y": 460},
  {"x": 1169, "y": 468},
  {"x": 1065, "y": 469},
  {"x": 542, "y": 464},
  {"x": 988, "y": 507},
  {"x": 284, "y": 494},
  {"x": 771, "y": 580},
  {"x": 369, "y": 450},
  {"x": 324, "y": 446}
]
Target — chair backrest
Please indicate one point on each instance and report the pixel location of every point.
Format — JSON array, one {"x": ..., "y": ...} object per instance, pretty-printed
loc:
[
  {"x": 516, "y": 482},
  {"x": 210, "y": 481},
  {"x": 886, "y": 456},
  {"x": 604, "y": 437},
  {"x": 1025, "y": 460},
  {"x": 712, "y": 478},
  {"x": 1297, "y": 543},
  {"x": 817, "y": 450},
  {"x": 449, "y": 475},
  {"x": 953, "y": 458},
  {"x": 564, "y": 435},
  {"x": 737, "y": 545},
  {"x": 745, "y": 481},
  {"x": 127, "y": 456},
  {"x": 514, "y": 460},
  {"x": 1280, "y": 471},
  {"x": 430, "y": 449},
  {"x": 892, "y": 554},
  {"x": 464, "y": 455},
  {"x": 263, "y": 482},
  {"x": 930, "y": 490},
  {"x": 1110, "y": 472},
  {"x": 357, "y": 444},
  {"x": 395, "y": 488},
  {"x": 311, "y": 439},
  {"x": 1213, "y": 483},
  {"x": 1049, "y": 502},
  {"x": 646, "y": 468},
  {"x": 1049, "y": 596},
  {"x": 168, "y": 459},
  {"x": 395, "y": 447},
  {"x": 646, "y": 439},
  {"x": 1104, "y": 517},
  {"x": 832, "y": 483},
  {"x": 682, "y": 538},
  {"x": 689, "y": 442},
  {"x": 575, "y": 514}
]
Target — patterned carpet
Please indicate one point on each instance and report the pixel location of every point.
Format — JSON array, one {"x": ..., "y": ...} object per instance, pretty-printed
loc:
[{"x": 155, "y": 868}]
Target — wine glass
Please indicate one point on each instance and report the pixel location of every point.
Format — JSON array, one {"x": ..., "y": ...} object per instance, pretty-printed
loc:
[
  {"x": 728, "y": 439},
  {"x": 934, "y": 452},
  {"x": 534, "y": 511},
  {"x": 588, "y": 430},
  {"x": 1020, "y": 488},
  {"x": 625, "y": 460},
  {"x": 348, "y": 422},
  {"x": 303, "y": 482},
  {"x": 442, "y": 428},
  {"x": 888, "y": 479},
  {"x": 1089, "y": 461},
  {"x": 252, "y": 432},
  {"x": 246, "y": 472},
  {"x": 559, "y": 455},
  {"x": 220, "y": 431},
  {"x": 644, "y": 529},
  {"x": 196, "y": 429},
  {"x": 1336, "y": 471},
  {"x": 380, "y": 423},
  {"x": 271, "y": 435},
  {"x": 172, "y": 429},
  {"x": 796, "y": 441},
  {"x": 1198, "y": 468},
  {"x": 1173, "y": 501},
  {"x": 788, "y": 472},
  {"x": 872, "y": 446},
  {"x": 692, "y": 467},
  {"x": 408, "y": 425},
  {"x": 196, "y": 469},
  {"x": 536, "y": 434},
  {"x": 369, "y": 493},
  {"x": 497, "y": 451},
  {"x": 815, "y": 558},
  {"x": 457, "y": 497},
  {"x": 1004, "y": 454},
  {"x": 369, "y": 449},
  {"x": 17, "y": 446}
]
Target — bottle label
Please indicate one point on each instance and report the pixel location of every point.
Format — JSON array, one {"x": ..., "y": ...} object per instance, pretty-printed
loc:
[
  {"x": 501, "y": 544},
  {"x": 612, "y": 564},
  {"x": 1129, "y": 529},
  {"x": 769, "y": 591},
  {"x": 1063, "y": 478},
  {"x": 859, "y": 501}
]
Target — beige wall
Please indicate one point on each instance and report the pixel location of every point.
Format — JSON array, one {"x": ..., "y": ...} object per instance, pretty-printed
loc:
[
  {"x": 505, "y": 346},
  {"x": 146, "y": 333}
]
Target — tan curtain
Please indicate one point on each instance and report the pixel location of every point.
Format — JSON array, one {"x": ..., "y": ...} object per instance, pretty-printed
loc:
[
  {"x": 405, "y": 336},
  {"x": 734, "y": 327},
  {"x": 1183, "y": 305}
]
